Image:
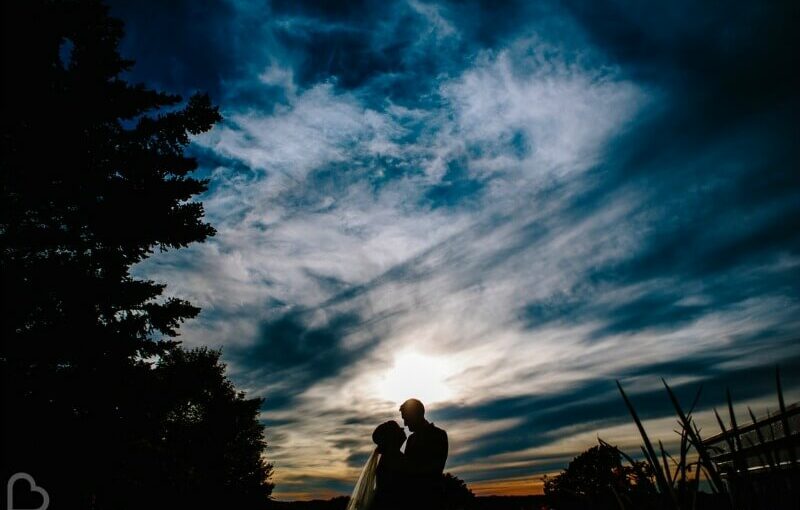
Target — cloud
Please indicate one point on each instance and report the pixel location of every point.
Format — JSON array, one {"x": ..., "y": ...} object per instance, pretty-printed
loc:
[{"x": 527, "y": 197}]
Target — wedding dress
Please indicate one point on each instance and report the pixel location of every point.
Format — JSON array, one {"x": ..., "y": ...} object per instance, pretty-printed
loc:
[{"x": 364, "y": 491}]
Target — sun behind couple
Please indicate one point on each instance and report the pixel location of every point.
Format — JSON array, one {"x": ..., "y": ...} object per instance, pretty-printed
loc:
[{"x": 393, "y": 479}]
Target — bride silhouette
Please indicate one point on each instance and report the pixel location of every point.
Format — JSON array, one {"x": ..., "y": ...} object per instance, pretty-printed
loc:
[{"x": 383, "y": 481}]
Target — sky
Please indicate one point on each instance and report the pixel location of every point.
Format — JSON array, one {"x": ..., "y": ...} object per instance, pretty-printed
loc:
[{"x": 497, "y": 207}]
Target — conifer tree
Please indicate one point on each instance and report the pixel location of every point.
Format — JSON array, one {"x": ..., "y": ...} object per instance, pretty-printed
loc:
[{"x": 94, "y": 179}]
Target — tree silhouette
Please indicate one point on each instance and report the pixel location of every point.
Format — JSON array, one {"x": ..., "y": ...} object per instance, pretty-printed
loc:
[
  {"x": 94, "y": 178},
  {"x": 201, "y": 443},
  {"x": 596, "y": 478}
]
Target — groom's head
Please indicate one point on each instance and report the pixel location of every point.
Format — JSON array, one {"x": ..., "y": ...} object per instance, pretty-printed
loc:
[{"x": 413, "y": 413}]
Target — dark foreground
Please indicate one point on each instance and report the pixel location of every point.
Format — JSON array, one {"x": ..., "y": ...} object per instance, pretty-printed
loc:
[{"x": 481, "y": 503}]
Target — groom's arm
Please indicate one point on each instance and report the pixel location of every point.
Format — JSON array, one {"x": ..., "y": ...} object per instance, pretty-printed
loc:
[
  {"x": 444, "y": 447},
  {"x": 432, "y": 458}
]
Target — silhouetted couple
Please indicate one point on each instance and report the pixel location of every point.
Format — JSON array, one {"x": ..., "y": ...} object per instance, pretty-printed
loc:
[{"x": 404, "y": 480}]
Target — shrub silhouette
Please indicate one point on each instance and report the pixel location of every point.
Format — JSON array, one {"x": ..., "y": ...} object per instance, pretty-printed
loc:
[
  {"x": 597, "y": 478},
  {"x": 457, "y": 495}
]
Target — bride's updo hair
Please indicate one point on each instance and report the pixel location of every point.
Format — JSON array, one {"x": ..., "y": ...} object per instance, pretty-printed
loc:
[{"x": 388, "y": 436}]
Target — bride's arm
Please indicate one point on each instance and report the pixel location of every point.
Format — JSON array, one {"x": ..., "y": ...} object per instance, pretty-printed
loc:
[{"x": 395, "y": 461}]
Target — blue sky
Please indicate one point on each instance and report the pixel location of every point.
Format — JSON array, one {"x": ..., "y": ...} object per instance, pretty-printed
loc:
[{"x": 498, "y": 207}]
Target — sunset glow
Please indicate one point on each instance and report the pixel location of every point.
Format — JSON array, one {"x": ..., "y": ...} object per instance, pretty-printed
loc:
[{"x": 415, "y": 375}]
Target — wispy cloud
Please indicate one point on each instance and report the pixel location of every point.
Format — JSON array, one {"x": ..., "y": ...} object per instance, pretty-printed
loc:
[{"x": 520, "y": 204}]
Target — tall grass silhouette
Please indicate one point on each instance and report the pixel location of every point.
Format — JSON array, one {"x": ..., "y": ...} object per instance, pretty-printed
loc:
[{"x": 743, "y": 468}]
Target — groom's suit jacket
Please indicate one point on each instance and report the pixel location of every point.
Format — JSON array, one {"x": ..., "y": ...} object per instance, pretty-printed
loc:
[{"x": 426, "y": 454}]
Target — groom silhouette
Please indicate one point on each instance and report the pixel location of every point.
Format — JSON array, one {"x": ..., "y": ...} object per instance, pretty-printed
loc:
[{"x": 425, "y": 454}]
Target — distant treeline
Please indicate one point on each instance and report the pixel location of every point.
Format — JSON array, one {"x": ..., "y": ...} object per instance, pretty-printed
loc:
[{"x": 479, "y": 503}]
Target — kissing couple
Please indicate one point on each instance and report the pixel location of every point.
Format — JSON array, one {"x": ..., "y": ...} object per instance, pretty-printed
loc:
[{"x": 393, "y": 479}]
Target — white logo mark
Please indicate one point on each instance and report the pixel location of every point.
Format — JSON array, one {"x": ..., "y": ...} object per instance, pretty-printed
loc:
[{"x": 34, "y": 488}]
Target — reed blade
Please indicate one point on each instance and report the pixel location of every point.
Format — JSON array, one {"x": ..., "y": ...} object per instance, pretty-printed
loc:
[
  {"x": 784, "y": 420},
  {"x": 735, "y": 454},
  {"x": 714, "y": 477},
  {"x": 742, "y": 459},
  {"x": 653, "y": 465},
  {"x": 752, "y": 446},
  {"x": 619, "y": 500},
  {"x": 734, "y": 426},
  {"x": 728, "y": 438},
  {"x": 650, "y": 453},
  {"x": 635, "y": 465},
  {"x": 772, "y": 436},
  {"x": 623, "y": 454},
  {"x": 696, "y": 399},
  {"x": 667, "y": 469},
  {"x": 763, "y": 442},
  {"x": 684, "y": 451},
  {"x": 695, "y": 486}
]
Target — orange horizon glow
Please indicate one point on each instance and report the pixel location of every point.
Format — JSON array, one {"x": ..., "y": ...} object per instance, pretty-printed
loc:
[
  {"x": 305, "y": 496},
  {"x": 521, "y": 486}
]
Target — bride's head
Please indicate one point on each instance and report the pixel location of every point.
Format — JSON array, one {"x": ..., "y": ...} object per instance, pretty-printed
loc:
[{"x": 388, "y": 436}]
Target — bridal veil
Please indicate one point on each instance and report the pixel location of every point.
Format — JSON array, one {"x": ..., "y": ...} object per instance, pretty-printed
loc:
[{"x": 364, "y": 491}]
